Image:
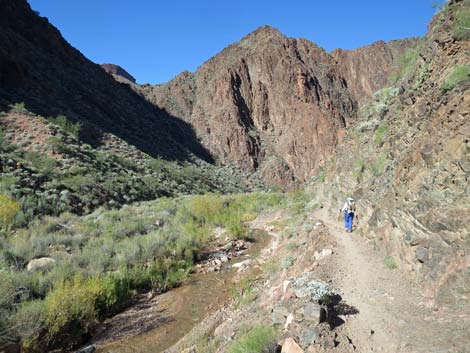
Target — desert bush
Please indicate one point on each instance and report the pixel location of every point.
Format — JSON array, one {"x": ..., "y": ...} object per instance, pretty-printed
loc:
[
  {"x": 459, "y": 73},
  {"x": 8, "y": 210},
  {"x": 407, "y": 63},
  {"x": 243, "y": 293},
  {"x": 378, "y": 166},
  {"x": 461, "y": 27},
  {"x": 380, "y": 133},
  {"x": 65, "y": 124},
  {"x": 287, "y": 262},
  {"x": 257, "y": 340},
  {"x": 358, "y": 169},
  {"x": 390, "y": 262},
  {"x": 19, "y": 107}
]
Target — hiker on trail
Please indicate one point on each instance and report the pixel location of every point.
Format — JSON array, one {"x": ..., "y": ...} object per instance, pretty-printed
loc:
[{"x": 349, "y": 210}]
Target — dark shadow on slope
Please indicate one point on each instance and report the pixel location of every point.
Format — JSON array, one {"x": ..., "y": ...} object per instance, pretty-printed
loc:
[
  {"x": 38, "y": 67},
  {"x": 336, "y": 308}
]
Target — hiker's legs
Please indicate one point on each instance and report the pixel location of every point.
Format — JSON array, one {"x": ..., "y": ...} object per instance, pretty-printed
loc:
[
  {"x": 350, "y": 221},
  {"x": 346, "y": 220}
]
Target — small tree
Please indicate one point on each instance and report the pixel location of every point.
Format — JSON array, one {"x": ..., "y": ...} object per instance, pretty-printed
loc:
[{"x": 8, "y": 210}]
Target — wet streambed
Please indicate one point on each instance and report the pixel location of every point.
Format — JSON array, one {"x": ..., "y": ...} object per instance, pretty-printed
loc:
[{"x": 153, "y": 325}]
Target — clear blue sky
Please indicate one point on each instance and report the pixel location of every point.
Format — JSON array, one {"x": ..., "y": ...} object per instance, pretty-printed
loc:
[{"x": 157, "y": 39}]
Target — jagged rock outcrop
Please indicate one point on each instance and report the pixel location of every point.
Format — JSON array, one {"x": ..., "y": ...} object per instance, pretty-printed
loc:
[
  {"x": 268, "y": 102},
  {"x": 116, "y": 70},
  {"x": 38, "y": 67},
  {"x": 367, "y": 69}
]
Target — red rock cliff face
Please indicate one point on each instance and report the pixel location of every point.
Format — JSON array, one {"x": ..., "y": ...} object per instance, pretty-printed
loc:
[
  {"x": 268, "y": 102},
  {"x": 367, "y": 69}
]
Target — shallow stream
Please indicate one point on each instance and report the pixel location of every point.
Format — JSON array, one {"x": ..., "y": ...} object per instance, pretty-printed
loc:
[{"x": 153, "y": 325}]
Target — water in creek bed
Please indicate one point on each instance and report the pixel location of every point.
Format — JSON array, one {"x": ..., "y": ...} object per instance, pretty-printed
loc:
[{"x": 164, "y": 320}]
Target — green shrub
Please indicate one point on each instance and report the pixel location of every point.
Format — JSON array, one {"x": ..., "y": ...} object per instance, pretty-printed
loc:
[
  {"x": 390, "y": 262},
  {"x": 359, "y": 168},
  {"x": 378, "y": 166},
  {"x": 65, "y": 124},
  {"x": 71, "y": 307},
  {"x": 9, "y": 208},
  {"x": 380, "y": 133},
  {"x": 19, "y": 107},
  {"x": 459, "y": 73},
  {"x": 406, "y": 63},
  {"x": 257, "y": 340},
  {"x": 287, "y": 262},
  {"x": 462, "y": 23},
  {"x": 28, "y": 321},
  {"x": 243, "y": 293}
]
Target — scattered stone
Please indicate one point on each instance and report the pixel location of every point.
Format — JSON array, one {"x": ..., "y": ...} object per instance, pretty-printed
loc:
[
  {"x": 242, "y": 264},
  {"x": 322, "y": 254},
  {"x": 290, "y": 346},
  {"x": 285, "y": 286},
  {"x": 314, "y": 313},
  {"x": 422, "y": 254},
  {"x": 279, "y": 315},
  {"x": 40, "y": 264},
  {"x": 87, "y": 349},
  {"x": 289, "y": 320},
  {"x": 308, "y": 337}
]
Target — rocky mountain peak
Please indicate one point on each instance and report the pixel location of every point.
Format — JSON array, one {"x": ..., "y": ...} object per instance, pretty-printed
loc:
[
  {"x": 263, "y": 32},
  {"x": 118, "y": 71}
]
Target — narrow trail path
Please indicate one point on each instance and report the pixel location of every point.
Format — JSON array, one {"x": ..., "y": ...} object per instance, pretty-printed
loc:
[{"x": 392, "y": 315}]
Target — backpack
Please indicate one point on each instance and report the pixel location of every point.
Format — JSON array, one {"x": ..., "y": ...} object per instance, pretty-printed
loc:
[{"x": 351, "y": 207}]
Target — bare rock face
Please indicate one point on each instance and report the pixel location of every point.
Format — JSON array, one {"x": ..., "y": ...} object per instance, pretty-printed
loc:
[
  {"x": 267, "y": 103},
  {"x": 367, "y": 69},
  {"x": 116, "y": 70}
]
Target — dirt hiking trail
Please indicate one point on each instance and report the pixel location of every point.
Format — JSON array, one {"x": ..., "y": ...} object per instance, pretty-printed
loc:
[{"x": 393, "y": 316}]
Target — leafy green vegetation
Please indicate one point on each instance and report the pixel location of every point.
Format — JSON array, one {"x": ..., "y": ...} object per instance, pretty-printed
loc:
[
  {"x": 65, "y": 124},
  {"x": 380, "y": 133},
  {"x": 257, "y": 340},
  {"x": 390, "y": 262},
  {"x": 63, "y": 174},
  {"x": 8, "y": 210},
  {"x": 461, "y": 27},
  {"x": 358, "y": 169},
  {"x": 407, "y": 63},
  {"x": 287, "y": 261},
  {"x": 380, "y": 104},
  {"x": 459, "y": 73},
  {"x": 101, "y": 260},
  {"x": 243, "y": 293},
  {"x": 378, "y": 166}
]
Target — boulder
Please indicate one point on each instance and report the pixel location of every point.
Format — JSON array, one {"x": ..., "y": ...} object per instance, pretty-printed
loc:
[
  {"x": 314, "y": 313},
  {"x": 40, "y": 264},
  {"x": 322, "y": 254},
  {"x": 290, "y": 346},
  {"x": 242, "y": 264},
  {"x": 289, "y": 320},
  {"x": 422, "y": 254},
  {"x": 279, "y": 315},
  {"x": 308, "y": 337}
]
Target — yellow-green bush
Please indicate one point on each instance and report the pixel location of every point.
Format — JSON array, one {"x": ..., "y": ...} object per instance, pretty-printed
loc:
[
  {"x": 459, "y": 73},
  {"x": 8, "y": 210},
  {"x": 257, "y": 340}
]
